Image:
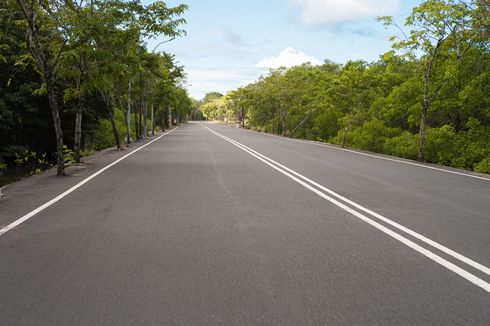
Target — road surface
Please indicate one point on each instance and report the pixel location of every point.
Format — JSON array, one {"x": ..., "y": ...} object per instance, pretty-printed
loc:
[{"x": 212, "y": 225}]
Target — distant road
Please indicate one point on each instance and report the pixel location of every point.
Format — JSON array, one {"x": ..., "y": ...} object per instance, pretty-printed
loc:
[{"x": 212, "y": 225}]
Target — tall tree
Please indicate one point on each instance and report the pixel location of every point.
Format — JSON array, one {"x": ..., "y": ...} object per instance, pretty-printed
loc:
[
  {"x": 438, "y": 31},
  {"x": 46, "y": 43}
]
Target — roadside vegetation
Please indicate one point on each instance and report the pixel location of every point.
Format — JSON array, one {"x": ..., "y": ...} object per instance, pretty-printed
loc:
[
  {"x": 427, "y": 99},
  {"x": 77, "y": 76}
]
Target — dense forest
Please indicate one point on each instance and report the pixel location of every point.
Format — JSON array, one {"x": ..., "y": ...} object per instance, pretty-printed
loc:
[
  {"x": 428, "y": 98},
  {"x": 77, "y": 76}
]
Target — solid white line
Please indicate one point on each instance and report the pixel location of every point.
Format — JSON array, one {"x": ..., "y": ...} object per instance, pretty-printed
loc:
[
  {"x": 24, "y": 218},
  {"x": 316, "y": 143},
  {"x": 430, "y": 242},
  {"x": 429, "y": 254}
]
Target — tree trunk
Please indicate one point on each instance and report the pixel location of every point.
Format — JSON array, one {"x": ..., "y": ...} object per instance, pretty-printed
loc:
[
  {"x": 273, "y": 122},
  {"x": 423, "y": 113},
  {"x": 128, "y": 116},
  {"x": 427, "y": 101},
  {"x": 243, "y": 118},
  {"x": 145, "y": 113},
  {"x": 60, "y": 159},
  {"x": 285, "y": 131},
  {"x": 163, "y": 119},
  {"x": 136, "y": 129},
  {"x": 140, "y": 118},
  {"x": 346, "y": 129},
  {"x": 167, "y": 117},
  {"x": 423, "y": 116},
  {"x": 47, "y": 69},
  {"x": 152, "y": 120},
  {"x": 110, "y": 112},
  {"x": 77, "y": 142}
]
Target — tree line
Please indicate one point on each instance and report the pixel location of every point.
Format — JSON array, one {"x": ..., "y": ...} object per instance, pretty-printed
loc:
[
  {"x": 78, "y": 76},
  {"x": 428, "y": 98}
]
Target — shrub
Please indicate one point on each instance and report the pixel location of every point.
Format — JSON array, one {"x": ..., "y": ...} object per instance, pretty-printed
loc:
[
  {"x": 372, "y": 135},
  {"x": 29, "y": 162},
  {"x": 103, "y": 137},
  {"x": 68, "y": 156},
  {"x": 474, "y": 145},
  {"x": 483, "y": 166},
  {"x": 441, "y": 145},
  {"x": 405, "y": 145}
]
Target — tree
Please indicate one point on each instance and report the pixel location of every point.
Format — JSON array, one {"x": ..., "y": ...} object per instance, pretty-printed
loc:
[
  {"x": 350, "y": 91},
  {"x": 239, "y": 102},
  {"x": 438, "y": 32},
  {"x": 46, "y": 44}
]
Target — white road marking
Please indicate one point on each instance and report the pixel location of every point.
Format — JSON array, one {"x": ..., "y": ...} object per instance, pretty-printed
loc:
[
  {"x": 312, "y": 142},
  {"x": 24, "y": 218},
  {"x": 429, "y": 254},
  {"x": 414, "y": 234}
]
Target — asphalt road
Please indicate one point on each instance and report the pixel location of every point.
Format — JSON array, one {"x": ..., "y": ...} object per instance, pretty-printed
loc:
[{"x": 197, "y": 229}]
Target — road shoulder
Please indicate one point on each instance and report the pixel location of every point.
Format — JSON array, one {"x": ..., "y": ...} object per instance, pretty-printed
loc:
[{"x": 21, "y": 197}]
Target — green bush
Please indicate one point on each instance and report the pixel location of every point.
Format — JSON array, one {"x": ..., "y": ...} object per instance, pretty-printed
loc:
[
  {"x": 483, "y": 166},
  {"x": 372, "y": 135},
  {"x": 103, "y": 137},
  {"x": 68, "y": 156},
  {"x": 405, "y": 145},
  {"x": 474, "y": 145},
  {"x": 29, "y": 162},
  {"x": 441, "y": 145},
  {"x": 326, "y": 124}
]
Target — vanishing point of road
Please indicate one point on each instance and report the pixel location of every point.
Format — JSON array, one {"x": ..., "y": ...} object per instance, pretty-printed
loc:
[{"x": 212, "y": 225}]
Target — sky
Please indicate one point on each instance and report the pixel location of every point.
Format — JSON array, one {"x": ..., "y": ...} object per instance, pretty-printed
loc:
[{"x": 232, "y": 43}]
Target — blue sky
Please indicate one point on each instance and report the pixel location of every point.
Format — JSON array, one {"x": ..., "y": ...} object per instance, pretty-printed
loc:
[{"x": 231, "y": 43}]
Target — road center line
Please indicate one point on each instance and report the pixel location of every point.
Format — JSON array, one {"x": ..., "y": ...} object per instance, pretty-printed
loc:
[
  {"x": 414, "y": 234},
  {"x": 429, "y": 254},
  {"x": 24, "y": 218}
]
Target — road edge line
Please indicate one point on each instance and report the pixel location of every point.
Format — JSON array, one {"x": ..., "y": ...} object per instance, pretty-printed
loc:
[
  {"x": 397, "y": 160},
  {"x": 32, "y": 213}
]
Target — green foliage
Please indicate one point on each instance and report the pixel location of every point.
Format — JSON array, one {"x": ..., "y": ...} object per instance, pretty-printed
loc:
[
  {"x": 102, "y": 136},
  {"x": 93, "y": 50},
  {"x": 326, "y": 124},
  {"x": 483, "y": 166},
  {"x": 372, "y": 135},
  {"x": 29, "y": 162},
  {"x": 404, "y": 145},
  {"x": 441, "y": 145},
  {"x": 473, "y": 145},
  {"x": 68, "y": 156},
  {"x": 439, "y": 67}
]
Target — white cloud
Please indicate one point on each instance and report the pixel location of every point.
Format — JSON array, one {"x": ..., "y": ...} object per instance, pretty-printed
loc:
[
  {"x": 330, "y": 12},
  {"x": 288, "y": 57}
]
